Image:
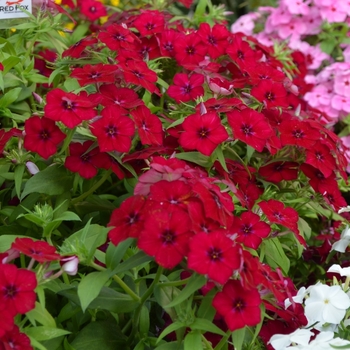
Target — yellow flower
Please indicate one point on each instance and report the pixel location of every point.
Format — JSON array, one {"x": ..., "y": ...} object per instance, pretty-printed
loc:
[
  {"x": 103, "y": 19},
  {"x": 58, "y": 2},
  {"x": 115, "y": 2}
]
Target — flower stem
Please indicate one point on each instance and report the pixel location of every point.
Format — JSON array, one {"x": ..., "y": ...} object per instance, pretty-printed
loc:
[
  {"x": 223, "y": 341},
  {"x": 93, "y": 188},
  {"x": 117, "y": 279}
]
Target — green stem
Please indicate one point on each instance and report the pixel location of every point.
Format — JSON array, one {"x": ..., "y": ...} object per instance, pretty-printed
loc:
[
  {"x": 93, "y": 188},
  {"x": 117, "y": 279},
  {"x": 137, "y": 313},
  {"x": 207, "y": 344},
  {"x": 175, "y": 283},
  {"x": 223, "y": 341}
]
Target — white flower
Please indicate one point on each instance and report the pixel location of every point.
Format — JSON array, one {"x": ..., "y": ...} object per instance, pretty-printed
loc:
[
  {"x": 338, "y": 269},
  {"x": 326, "y": 304},
  {"x": 344, "y": 241},
  {"x": 300, "y": 337},
  {"x": 344, "y": 209},
  {"x": 297, "y": 298}
]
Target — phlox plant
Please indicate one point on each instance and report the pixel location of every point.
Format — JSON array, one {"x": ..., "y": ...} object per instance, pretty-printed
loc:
[{"x": 164, "y": 185}]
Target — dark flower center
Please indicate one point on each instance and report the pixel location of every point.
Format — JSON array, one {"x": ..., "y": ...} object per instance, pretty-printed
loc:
[
  {"x": 215, "y": 254},
  {"x": 149, "y": 26},
  {"x": 169, "y": 46},
  {"x": 137, "y": 74},
  {"x": 247, "y": 129},
  {"x": 44, "y": 134},
  {"x": 132, "y": 218},
  {"x": 270, "y": 96},
  {"x": 85, "y": 158},
  {"x": 68, "y": 105},
  {"x": 239, "y": 305},
  {"x": 111, "y": 130},
  {"x": 203, "y": 133},
  {"x": 212, "y": 40},
  {"x": 10, "y": 291},
  {"x": 190, "y": 50},
  {"x": 247, "y": 229},
  {"x": 95, "y": 75},
  {"x": 93, "y": 9},
  {"x": 299, "y": 134},
  {"x": 278, "y": 215},
  {"x": 119, "y": 37},
  {"x": 168, "y": 237},
  {"x": 319, "y": 156},
  {"x": 278, "y": 167},
  {"x": 187, "y": 89},
  {"x": 240, "y": 55}
]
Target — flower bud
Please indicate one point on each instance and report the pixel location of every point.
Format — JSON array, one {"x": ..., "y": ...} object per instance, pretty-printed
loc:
[{"x": 69, "y": 264}]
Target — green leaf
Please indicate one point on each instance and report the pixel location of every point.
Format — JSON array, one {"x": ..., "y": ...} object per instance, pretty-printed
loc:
[
  {"x": 195, "y": 157},
  {"x": 219, "y": 155},
  {"x": 100, "y": 335},
  {"x": 9, "y": 63},
  {"x": 144, "y": 320},
  {"x": 170, "y": 346},
  {"x": 275, "y": 255},
  {"x": 114, "y": 254},
  {"x": 66, "y": 345},
  {"x": 54, "y": 180},
  {"x": 68, "y": 216},
  {"x": 90, "y": 287},
  {"x": 238, "y": 338},
  {"x": 195, "y": 282},
  {"x": 136, "y": 260},
  {"x": 10, "y": 97},
  {"x": 328, "y": 45},
  {"x": 205, "y": 325},
  {"x": 193, "y": 340},
  {"x": 6, "y": 241},
  {"x": 206, "y": 309},
  {"x": 44, "y": 333},
  {"x": 201, "y": 8},
  {"x": 41, "y": 315},
  {"x": 171, "y": 328}
]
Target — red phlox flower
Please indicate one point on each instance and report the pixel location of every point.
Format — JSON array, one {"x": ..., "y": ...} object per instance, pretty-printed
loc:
[
  {"x": 275, "y": 117},
  {"x": 221, "y": 105},
  {"x": 278, "y": 171},
  {"x": 127, "y": 221},
  {"x": 98, "y": 73},
  {"x": 298, "y": 133},
  {"x": 220, "y": 86},
  {"x": 186, "y": 88},
  {"x": 1, "y": 67},
  {"x": 214, "y": 38},
  {"x": 118, "y": 37},
  {"x": 249, "y": 229},
  {"x": 5, "y": 136},
  {"x": 186, "y": 3},
  {"x": 92, "y": 9},
  {"x": 200, "y": 222},
  {"x": 77, "y": 49},
  {"x": 167, "y": 41},
  {"x": 203, "y": 133},
  {"x": 138, "y": 73},
  {"x": 241, "y": 52},
  {"x": 286, "y": 216},
  {"x": 318, "y": 181},
  {"x": 148, "y": 48},
  {"x": 217, "y": 205},
  {"x": 166, "y": 235},
  {"x": 68, "y": 108},
  {"x": 248, "y": 194},
  {"x": 149, "y": 22},
  {"x": 113, "y": 131},
  {"x": 115, "y": 166},
  {"x": 190, "y": 51},
  {"x": 213, "y": 254},
  {"x": 319, "y": 156},
  {"x": 173, "y": 192},
  {"x": 149, "y": 127},
  {"x": 264, "y": 71},
  {"x": 6, "y": 320},
  {"x": 240, "y": 307},
  {"x": 334, "y": 198},
  {"x": 123, "y": 97},
  {"x": 38, "y": 250},
  {"x": 250, "y": 127},
  {"x": 271, "y": 93},
  {"x": 42, "y": 136},
  {"x": 15, "y": 340},
  {"x": 17, "y": 288},
  {"x": 41, "y": 62},
  {"x": 84, "y": 159},
  {"x": 239, "y": 78}
]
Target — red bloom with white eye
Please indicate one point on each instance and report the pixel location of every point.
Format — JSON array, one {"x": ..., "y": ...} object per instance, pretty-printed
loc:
[
  {"x": 113, "y": 131},
  {"x": 83, "y": 161},
  {"x": 190, "y": 51},
  {"x": 250, "y": 229},
  {"x": 125, "y": 98},
  {"x": 77, "y": 49},
  {"x": 17, "y": 288},
  {"x": 166, "y": 235},
  {"x": 203, "y": 133},
  {"x": 239, "y": 306},
  {"x": 117, "y": 37},
  {"x": 271, "y": 93},
  {"x": 68, "y": 108},
  {"x": 186, "y": 88},
  {"x": 138, "y": 73},
  {"x": 92, "y": 9},
  {"x": 149, "y": 22},
  {"x": 91, "y": 74},
  {"x": 148, "y": 125},
  {"x": 127, "y": 221},
  {"x": 277, "y": 213},
  {"x": 298, "y": 133},
  {"x": 250, "y": 127},
  {"x": 213, "y": 254},
  {"x": 38, "y": 250},
  {"x": 42, "y": 136},
  {"x": 278, "y": 171}
]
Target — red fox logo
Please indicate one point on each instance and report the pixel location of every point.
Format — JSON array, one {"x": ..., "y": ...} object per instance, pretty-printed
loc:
[{"x": 17, "y": 2}]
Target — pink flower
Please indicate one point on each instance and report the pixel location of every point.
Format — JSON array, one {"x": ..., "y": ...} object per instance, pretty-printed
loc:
[
  {"x": 341, "y": 103},
  {"x": 245, "y": 24},
  {"x": 318, "y": 96},
  {"x": 342, "y": 84},
  {"x": 297, "y": 7},
  {"x": 333, "y": 13}
]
